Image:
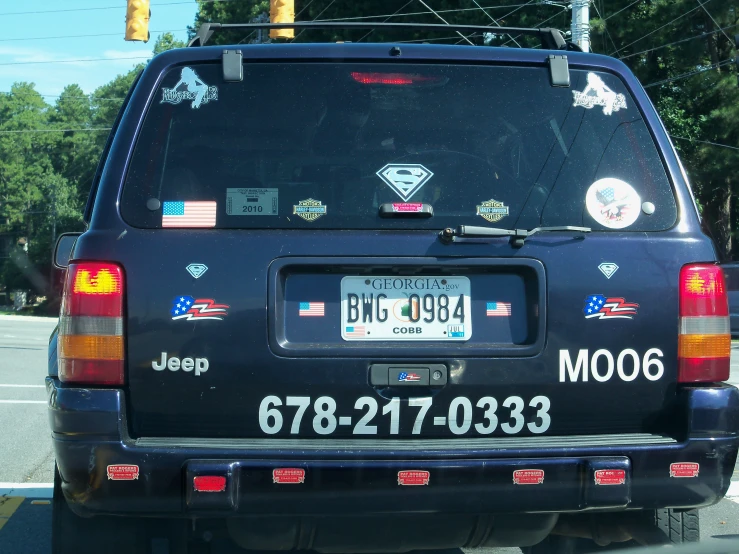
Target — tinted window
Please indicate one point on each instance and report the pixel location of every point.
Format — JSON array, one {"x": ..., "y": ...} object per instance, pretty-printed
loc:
[{"x": 324, "y": 145}]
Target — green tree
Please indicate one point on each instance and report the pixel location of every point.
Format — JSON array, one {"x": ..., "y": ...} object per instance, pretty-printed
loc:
[{"x": 166, "y": 41}]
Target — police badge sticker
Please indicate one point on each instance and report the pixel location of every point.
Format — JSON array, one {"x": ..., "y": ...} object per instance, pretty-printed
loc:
[
  {"x": 596, "y": 93},
  {"x": 492, "y": 210},
  {"x": 189, "y": 87},
  {"x": 309, "y": 209},
  {"x": 613, "y": 203}
]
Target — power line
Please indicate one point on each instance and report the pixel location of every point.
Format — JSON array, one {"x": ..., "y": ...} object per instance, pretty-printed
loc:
[
  {"x": 90, "y": 97},
  {"x": 118, "y": 7},
  {"x": 445, "y": 21},
  {"x": 89, "y": 129},
  {"x": 706, "y": 142},
  {"x": 605, "y": 26},
  {"x": 81, "y": 36},
  {"x": 388, "y": 17},
  {"x": 538, "y": 25},
  {"x": 80, "y": 60},
  {"x": 702, "y": 35},
  {"x": 691, "y": 73},
  {"x": 622, "y": 9},
  {"x": 660, "y": 28},
  {"x": 315, "y": 18},
  {"x": 493, "y": 20},
  {"x": 712, "y": 19}
]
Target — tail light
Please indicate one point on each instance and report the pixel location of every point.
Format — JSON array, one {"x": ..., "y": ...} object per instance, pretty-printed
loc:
[
  {"x": 704, "y": 344},
  {"x": 396, "y": 79},
  {"x": 91, "y": 325}
]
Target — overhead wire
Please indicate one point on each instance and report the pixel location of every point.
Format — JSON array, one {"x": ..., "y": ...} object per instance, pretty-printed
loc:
[
  {"x": 712, "y": 19},
  {"x": 493, "y": 20},
  {"x": 702, "y": 35},
  {"x": 706, "y": 142},
  {"x": 660, "y": 28},
  {"x": 91, "y": 129},
  {"x": 118, "y": 7},
  {"x": 445, "y": 21},
  {"x": 81, "y": 36},
  {"x": 388, "y": 17},
  {"x": 691, "y": 73},
  {"x": 81, "y": 60},
  {"x": 622, "y": 9},
  {"x": 605, "y": 27}
]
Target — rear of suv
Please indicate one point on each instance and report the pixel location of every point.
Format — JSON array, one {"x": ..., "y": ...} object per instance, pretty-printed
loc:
[{"x": 388, "y": 297}]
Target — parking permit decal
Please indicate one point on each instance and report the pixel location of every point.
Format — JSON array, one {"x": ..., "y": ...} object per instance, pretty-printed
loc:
[
  {"x": 310, "y": 209},
  {"x": 121, "y": 472},
  {"x": 414, "y": 478},
  {"x": 498, "y": 309},
  {"x": 288, "y": 476},
  {"x": 596, "y": 93},
  {"x": 613, "y": 203},
  {"x": 492, "y": 210},
  {"x": 405, "y": 207},
  {"x": 197, "y": 365},
  {"x": 610, "y": 476},
  {"x": 628, "y": 365},
  {"x": 405, "y": 179},
  {"x": 608, "y": 269},
  {"x": 197, "y": 270},
  {"x": 311, "y": 309},
  {"x": 684, "y": 469},
  {"x": 189, "y": 214},
  {"x": 189, "y": 87},
  {"x": 187, "y": 307},
  {"x": 598, "y": 306},
  {"x": 252, "y": 201},
  {"x": 528, "y": 477}
]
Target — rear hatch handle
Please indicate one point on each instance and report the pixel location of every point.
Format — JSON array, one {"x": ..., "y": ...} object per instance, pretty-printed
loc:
[{"x": 518, "y": 236}]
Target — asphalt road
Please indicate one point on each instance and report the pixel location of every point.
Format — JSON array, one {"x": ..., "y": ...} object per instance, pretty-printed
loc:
[{"x": 27, "y": 460}]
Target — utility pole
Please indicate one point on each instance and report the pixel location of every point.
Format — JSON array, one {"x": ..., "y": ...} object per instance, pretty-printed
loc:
[{"x": 581, "y": 24}]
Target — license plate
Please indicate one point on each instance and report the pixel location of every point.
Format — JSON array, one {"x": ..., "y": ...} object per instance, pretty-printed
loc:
[{"x": 405, "y": 308}]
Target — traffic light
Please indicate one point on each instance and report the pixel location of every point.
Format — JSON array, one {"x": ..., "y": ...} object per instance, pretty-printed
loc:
[
  {"x": 281, "y": 11},
  {"x": 137, "y": 20}
]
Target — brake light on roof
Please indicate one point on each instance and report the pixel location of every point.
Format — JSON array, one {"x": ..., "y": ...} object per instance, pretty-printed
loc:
[
  {"x": 91, "y": 325},
  {"x": 704, "y": 343},
  {"x": 396, "y": 78}
]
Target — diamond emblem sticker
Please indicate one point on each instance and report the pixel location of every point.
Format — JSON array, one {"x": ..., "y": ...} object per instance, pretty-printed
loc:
[
  {"x": 608, "y": 269},
  {"x": 405, "y": 179},
  {"x": 196, "y": 270}
]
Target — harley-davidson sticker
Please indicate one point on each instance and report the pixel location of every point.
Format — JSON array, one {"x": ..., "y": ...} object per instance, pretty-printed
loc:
[
  {"x": 414, "y": 477},
  {"x": 288, "y": 476},
  {"x": 610, "y": 476},
  {"x": 310, "y": 209},
  {"x": 120, "y": 472},
  {"x": 492, "y": 210},
  {"x": 528, "y": 477},
  {"x": 684, "y": 469}
]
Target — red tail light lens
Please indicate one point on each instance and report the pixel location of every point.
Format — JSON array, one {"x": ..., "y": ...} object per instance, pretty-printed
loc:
[
  {"x": 91, "y": 325},
  {"x": 396, "y": 79},
  {"x": 704, "y": 343},
  {"x": 209, "y": 483}
]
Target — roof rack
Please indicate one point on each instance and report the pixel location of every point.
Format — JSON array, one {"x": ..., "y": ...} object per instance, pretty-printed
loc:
[{"x": 551, "y": 39}]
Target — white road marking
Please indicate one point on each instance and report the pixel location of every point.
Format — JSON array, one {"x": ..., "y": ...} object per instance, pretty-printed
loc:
[
  {"x": 733, "y": 492},
  {"x": 28, "y": 490},
  {"x": 26, "y": 386},
  {"x": 23, "y": 402}
]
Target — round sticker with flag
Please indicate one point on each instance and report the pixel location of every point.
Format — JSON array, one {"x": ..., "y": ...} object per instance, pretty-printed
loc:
[{"x": 613, "y": 203}]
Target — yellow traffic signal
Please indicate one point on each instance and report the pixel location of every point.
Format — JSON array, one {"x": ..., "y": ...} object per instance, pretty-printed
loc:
[
  {"x": 137, "y": 20},
  {"x": 281, "y": 11}
]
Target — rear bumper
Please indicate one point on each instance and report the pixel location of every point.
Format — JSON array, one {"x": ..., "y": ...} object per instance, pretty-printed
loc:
[{"x": 340, "y": 477}]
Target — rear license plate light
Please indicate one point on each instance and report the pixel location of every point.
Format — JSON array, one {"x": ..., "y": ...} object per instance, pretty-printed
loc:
[{"x": 209, "y": 483}]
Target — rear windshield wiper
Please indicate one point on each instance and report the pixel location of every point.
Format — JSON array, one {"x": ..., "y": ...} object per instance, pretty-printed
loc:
[{"x": 518, "y": 236}]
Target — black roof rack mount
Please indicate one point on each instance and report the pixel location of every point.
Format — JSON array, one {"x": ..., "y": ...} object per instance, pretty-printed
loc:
[{"x": 551, "y": 39}]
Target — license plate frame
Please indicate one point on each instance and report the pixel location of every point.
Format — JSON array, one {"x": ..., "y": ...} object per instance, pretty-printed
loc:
[{"x": 409, "y": 315}]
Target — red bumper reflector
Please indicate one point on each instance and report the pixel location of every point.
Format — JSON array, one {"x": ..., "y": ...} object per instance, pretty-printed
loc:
[{"x": 209, "y": 483}]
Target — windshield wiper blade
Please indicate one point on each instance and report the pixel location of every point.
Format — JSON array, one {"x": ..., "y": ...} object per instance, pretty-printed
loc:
[{"x": 518, "y": 236}]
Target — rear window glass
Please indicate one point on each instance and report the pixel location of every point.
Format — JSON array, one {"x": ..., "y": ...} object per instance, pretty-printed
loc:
[{"x": 362, "y": 146}]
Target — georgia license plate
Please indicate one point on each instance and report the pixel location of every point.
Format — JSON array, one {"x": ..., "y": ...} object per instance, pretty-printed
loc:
[{"x": 405, "y": 308}]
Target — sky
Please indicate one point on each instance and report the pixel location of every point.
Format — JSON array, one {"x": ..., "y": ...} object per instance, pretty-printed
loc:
[{"x": 26, "y": 28}]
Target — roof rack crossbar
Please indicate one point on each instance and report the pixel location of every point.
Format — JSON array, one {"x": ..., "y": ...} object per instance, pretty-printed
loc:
[{"x": 551, "y": 39}]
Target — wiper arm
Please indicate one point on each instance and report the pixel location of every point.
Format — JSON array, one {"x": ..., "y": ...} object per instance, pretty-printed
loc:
[{"x": 518, "y": 236}]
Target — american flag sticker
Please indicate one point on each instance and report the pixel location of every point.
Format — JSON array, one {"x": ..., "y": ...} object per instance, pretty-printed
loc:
[
  {"x": 355, "y": 331},
  {"x": 310, "y": 309},
  {"x": 189, "y": 214},
  {"x": 498, "y": 309}
]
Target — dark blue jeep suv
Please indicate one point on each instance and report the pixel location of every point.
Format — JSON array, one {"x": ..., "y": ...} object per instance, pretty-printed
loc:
[{"x": 386, "y": 297}]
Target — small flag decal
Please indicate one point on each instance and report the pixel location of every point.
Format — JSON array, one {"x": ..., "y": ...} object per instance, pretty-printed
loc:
[
  {"x": 308, "y": 309},
  {"x": 189, "y": 214},
  {"x": 355, "y": 331},
  {"x": 499, "y": 309}
]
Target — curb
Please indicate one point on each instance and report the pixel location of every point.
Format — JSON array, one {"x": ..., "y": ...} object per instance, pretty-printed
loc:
[{"x": 4, "y": 317}]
